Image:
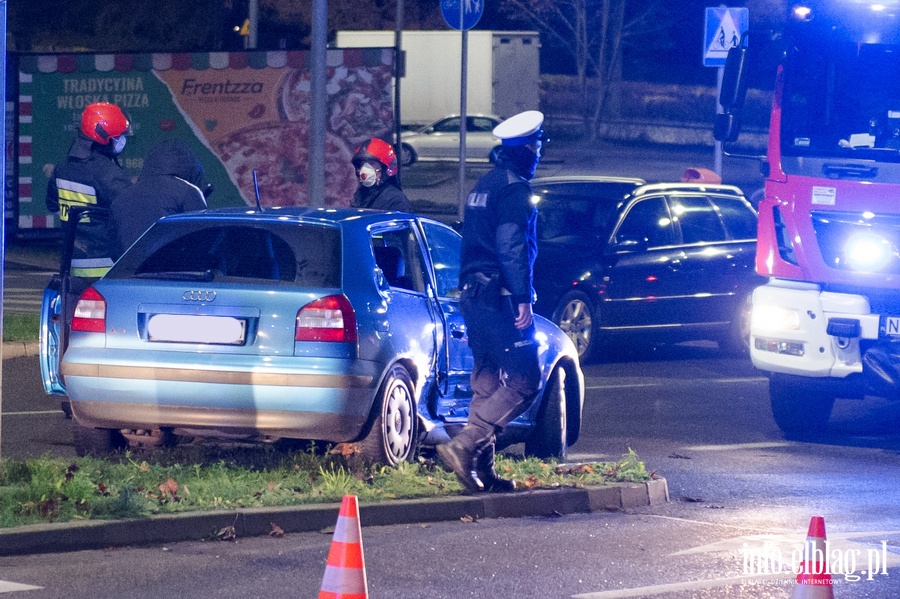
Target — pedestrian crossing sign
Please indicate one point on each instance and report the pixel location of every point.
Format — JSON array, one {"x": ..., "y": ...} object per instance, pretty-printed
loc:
[{"x": 723, "y": 31}]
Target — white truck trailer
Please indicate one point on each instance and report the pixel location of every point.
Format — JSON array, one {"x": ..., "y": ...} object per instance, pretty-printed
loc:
[{"x": 503, "y": 71}]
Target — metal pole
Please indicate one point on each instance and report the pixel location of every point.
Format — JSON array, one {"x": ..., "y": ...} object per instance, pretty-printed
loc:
[
  {"x": 3, "y": 220},
  {"x": 318, "y": 97},
  {"x": 253, "y": 17},
  {"x": 462, "y": 112},
  {"x": 398, "y": 75},
  {"x": 717, "y": 158}
]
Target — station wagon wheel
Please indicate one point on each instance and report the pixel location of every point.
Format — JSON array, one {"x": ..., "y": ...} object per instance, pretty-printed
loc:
[
  {"x": 96, "y": 441},
  {"x": 574, "y": 316},
  {"x": 407, "y": 155},
  {"x": 550, "y": 437},
  {"x": 392, "y": 438}
]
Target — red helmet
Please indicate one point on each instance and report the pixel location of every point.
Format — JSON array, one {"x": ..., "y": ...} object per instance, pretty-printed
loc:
[
  {"x": 102, "y": 121},
  {"x": 380, "y": 150}
]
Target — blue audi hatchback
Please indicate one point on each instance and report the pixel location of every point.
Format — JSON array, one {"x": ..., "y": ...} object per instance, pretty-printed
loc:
[{"x": 339, "y": 325}]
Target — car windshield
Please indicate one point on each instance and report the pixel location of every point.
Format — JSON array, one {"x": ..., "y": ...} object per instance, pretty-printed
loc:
[
  {"x": 218, "y": 250},
  {"x": 577, "y": 212},
  {"x": 842, "y": 100}
]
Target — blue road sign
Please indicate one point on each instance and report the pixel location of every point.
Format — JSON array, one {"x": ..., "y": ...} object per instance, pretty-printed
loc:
[
  {"x": 723, "y": 31},
  {"x": 472, "y": 11}
]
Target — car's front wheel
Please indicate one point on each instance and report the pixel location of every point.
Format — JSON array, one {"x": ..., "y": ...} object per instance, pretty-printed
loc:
[
  {"x": 736, "y": 340},
  {"x": 96, "y": 441},
  {"x": 408, "y": 156},
  {"x": 550, "y": 437},
  {"x": 392, "y": 438},
  {"x": 575, "y": 318}
]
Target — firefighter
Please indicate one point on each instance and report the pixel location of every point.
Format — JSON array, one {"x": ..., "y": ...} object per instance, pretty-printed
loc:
[
  {"x": 376, "y": 167},
  {"x": 91, "y": 176},
  {"x": 498, "y": 251}
]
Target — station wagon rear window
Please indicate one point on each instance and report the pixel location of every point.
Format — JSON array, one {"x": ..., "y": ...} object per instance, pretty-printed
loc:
[{"x": 271, "y": 253}]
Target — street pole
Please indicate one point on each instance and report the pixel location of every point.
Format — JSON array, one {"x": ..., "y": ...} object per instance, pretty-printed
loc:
[
  {"x": 3, "y": 220},
  {"x": 464, "y": 57},
  {"x": 318, "y": 97},
  {"x": 398, "y": 75},
  {"x": 253, "y": 17}
]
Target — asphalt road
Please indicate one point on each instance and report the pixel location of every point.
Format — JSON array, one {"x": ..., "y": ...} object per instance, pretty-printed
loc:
[{"x": 740, "y": 496}]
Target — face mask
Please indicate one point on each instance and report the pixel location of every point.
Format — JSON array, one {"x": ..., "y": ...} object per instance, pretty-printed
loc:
[
  {"x": 118, "y": 144},
  {"x": 368, "y": 175}
]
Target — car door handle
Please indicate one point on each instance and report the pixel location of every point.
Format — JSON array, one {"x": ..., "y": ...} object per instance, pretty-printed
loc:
[{"x": 457, "y": 332}]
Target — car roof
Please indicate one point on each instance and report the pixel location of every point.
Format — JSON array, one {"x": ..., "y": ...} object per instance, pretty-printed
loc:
[
  {"x": 642, "y": 188},
  {"x": 335, "y": 215}
]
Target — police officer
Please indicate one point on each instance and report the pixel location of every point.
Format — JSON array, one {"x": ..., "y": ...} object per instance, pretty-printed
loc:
[
  {"x": 91, "y": 176},
  {"x": 376, "y": 168},
  {"x": 498, "y": 252}
]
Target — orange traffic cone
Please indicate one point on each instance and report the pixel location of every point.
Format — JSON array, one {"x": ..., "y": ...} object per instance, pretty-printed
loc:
[
  {"x": 814, "y": 580},
  {"x": 345, "y": 572}
]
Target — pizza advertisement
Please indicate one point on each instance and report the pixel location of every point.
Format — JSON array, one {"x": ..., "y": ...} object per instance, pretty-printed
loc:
[{"x": 240, "y": 112}]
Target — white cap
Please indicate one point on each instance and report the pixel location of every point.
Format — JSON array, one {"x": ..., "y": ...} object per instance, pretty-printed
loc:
[{"x": 521, "y": 129}]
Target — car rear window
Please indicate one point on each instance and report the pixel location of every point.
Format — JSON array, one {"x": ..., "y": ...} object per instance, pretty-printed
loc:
[
  {"x": 273, "y": 253},
  {"x": 577, "y": 209}
]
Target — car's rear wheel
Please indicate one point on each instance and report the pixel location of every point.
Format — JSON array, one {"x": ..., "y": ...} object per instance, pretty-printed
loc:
[
  {"x": 550, "y": 437},
  {"x": 408, "y": 156},
  {"x": 392, "y": 438},
  {"x": 797, "y": 409},
  {"x": 576, "y": 319},
  {"x": 96, "y": 441}
]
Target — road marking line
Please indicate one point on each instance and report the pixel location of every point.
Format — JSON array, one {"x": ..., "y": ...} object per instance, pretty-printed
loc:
[
  {"x": 11, "y": 587},
  {"x": 758, "y": 445},
  {"x": 754, "y": 379},
  {"x": 41, "y": 413},
  {"x": 674, "y": 587}
]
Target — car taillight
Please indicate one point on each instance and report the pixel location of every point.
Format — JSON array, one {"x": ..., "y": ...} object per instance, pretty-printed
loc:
[
  {"x": 330, "y": 318},
  {"x": 90, "y": 312}
]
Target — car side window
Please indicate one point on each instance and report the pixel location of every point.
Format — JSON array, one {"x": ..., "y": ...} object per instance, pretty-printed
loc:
[
  {"x": 647, "y": 222},
  {"x": 448, "y": 126},
  {"x": 698, "y": 219},
  {"x": 444, "y": 246},
  {"x": 739, "y": 217},
  {"x": 480, "y": 124},
  {"x": 399, "y": 256}
]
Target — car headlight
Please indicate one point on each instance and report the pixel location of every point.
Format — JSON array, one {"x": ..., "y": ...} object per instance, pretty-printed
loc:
[
  {"x": 868, "y": 252},
  {"x": 774, "y": 318}
]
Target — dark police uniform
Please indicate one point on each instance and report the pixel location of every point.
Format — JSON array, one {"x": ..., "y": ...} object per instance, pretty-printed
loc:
[{"x": 498, "y": 252}]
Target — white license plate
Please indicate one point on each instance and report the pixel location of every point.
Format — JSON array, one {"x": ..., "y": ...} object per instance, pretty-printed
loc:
[
  {"x": 892, "y": 326},
  {"x": 189, "y": 328}
]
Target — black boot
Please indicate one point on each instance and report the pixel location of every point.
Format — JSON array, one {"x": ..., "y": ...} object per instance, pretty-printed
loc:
[
  {"x": 461, "y": 461},
  {"x": 484, "y": 470}
]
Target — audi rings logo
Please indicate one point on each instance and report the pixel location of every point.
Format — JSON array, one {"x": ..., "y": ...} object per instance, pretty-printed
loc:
[{"x": 198, "y": 296}]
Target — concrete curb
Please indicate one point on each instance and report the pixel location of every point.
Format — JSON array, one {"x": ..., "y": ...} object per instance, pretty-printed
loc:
[
  {"x": 195, "y": 526},
  {"x": 19, "y": 349}
]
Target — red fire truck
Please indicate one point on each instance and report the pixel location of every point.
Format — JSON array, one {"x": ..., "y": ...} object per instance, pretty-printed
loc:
[{"x": 827, "y": 324}]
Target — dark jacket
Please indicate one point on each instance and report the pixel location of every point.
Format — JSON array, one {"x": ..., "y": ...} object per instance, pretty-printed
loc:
[
  {"x": 500, "y": 231},
  {"x": 90, "y": 176},
  {"x": 170, "y": 182},
  {"x": 387, "y": 196}
]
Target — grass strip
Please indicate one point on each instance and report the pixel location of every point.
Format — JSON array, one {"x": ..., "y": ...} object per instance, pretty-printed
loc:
[{"x": 141, "y": 483}]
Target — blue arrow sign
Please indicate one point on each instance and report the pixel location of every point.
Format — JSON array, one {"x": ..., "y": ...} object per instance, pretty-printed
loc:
[
  {"x": 723, "y": 31},
  {"x": 471, "y": 13}
]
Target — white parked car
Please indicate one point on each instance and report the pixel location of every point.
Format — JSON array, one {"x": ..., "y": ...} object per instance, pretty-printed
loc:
[{"x": 440, "y": 140}]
